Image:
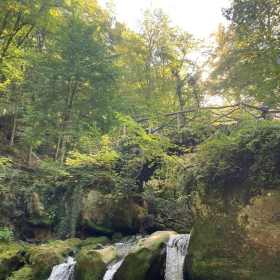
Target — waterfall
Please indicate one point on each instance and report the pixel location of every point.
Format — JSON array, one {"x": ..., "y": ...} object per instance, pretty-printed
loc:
[
  {"x": 123, "y": 248},
  {"x": 63, "y": 271},
  {"x": 176, "y": 251},
  {"x": 112, "y": 270}
]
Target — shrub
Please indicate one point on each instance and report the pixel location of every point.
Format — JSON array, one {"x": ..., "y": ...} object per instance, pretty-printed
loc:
[{"x": 6, "y": 234}]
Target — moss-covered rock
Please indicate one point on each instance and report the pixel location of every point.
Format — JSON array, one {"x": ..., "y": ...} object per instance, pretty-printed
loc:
[
  {"x": 42, "y": 258},
  {"x": 106, "y": 215},
  {"x": 92, "y": 264},
  {"x": 234, "y": 187},
  {"x": 146, "y": 260},
  {"x": 234, "y": 236},
  {"x": 25, "y": 273},
  {"x": 98, "y": 241},
  {"x": 74, "y": 243},
  {"x": 11, "y": 259}
]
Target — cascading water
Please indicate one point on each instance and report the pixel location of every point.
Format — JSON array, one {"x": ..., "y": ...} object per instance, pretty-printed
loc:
[
  {"x": 176, "y": 251},
  {"x": 123, "y": 248},
  {"x": 63, "y": 271},
  {"x": 112, "y": 270}
]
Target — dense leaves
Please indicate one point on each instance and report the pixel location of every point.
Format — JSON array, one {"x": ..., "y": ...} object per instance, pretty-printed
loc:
[
  {"x": 71, "y": 76},
  {"x": 250, "y": 152},
  {"x": 246, "y": 60}
]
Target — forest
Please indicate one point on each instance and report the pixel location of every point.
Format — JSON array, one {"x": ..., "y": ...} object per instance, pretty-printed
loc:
[{"x": 108, "y": 132}]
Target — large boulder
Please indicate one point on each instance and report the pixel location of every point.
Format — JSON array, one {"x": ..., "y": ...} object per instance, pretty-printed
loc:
[
  {"x": 44, "y": 257},
  {"x": 101, "y": 214},
  {"x": 11, "y": 259},
  {"x": 234, "y": 189},
  {"x": 235, "y": 235},
  {"x": 92, "y": 264},
  {"x": 146, "y": 260},
  {"x": 25, "y": 273}
]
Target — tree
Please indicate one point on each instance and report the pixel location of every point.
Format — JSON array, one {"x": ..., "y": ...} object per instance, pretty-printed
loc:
[
  {"x": 246, "y": 59},
  {"x": 183, "y": 69},
  {"x": 156, "y": 67},
  {"x": 146, "y": 75},
  {"x": 75, "y": 76},
  {"x": 19, "y": 22}
]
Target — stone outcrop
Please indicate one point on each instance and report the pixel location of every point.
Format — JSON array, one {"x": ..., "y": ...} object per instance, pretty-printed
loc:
[
  {"x": 101, "y": 214},
  {"x": 92, "y": 264},
  {"x": 37, "y": 214},
  {"x": 235, "y": 235},
  {"x": 146, "y": 260},
  {"x": 42, "y": 258}
]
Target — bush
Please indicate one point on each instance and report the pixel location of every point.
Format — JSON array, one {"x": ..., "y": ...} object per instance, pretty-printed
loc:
[
  {"x": 6, "y": 235},
  {"x": 251, "y": 152}
]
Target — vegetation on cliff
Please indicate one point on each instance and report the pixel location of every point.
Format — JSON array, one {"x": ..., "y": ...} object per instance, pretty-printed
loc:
[
  {"x": 233, "y": 186},
  {"x": 86, "y": 149}
]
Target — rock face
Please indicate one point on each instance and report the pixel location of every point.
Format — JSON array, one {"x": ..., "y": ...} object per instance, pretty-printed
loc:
[
  {"x": 236, "y": 234},
  {"x": 146, "y": 260},
  {"x": 11, "y": 259},
  {"x": 38, "y": 216},
  {"x": 42, "y": 258},
  {"x": 92, "y": 264},
  {"x": 107, "y": 215}
]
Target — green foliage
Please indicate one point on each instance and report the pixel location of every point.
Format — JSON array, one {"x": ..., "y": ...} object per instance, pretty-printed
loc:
[
  {"x": 5, "y": 162},
  {"x": 6, "y": 235},
  {"x": 250, "y": 152},
  {"x": 68, "y": 222},
  {"x": 246, "y": 59},
  {"x": 157, "y": 69}
]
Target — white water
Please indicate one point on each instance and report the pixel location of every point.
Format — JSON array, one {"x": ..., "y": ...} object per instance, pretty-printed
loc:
[
  {"x": 123, "y": 248},
  {"x": 176, "y": 251},
  {"x": 63, "y": 271},
  {"x": 112, "y": 270}
]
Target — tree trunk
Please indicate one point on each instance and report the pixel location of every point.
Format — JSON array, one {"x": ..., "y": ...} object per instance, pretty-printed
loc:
[
  {"x": 57, "y": 149},
  {"x": 29, "y": 156},
  {"x": 14, "y": 127},
  {"x": 62, "y": 151}
]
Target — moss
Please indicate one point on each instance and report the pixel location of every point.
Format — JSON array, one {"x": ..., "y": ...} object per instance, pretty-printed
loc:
[
  {"x": 11, "y": 258},
  {"x": 44, "y": 257},
  {"x": 89, "y": 266},
  {"x": 103, "y": 240},
  {"x": 233, "y": 238},
  {"x": 24, "y": 273},
  {"x": 74, "y": 243},
  {"x": 117, "y": 236},
  {"x": 92, "y": 264},
  {"x": 145, "y": 260}
]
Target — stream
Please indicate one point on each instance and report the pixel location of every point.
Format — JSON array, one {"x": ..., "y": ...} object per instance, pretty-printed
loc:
[{"x": 175, "y": 255}]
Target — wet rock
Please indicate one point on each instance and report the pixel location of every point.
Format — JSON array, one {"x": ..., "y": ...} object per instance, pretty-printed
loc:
[
  {"x": 42, "y": 258},
  {"x": 92, "y": 264},
  {"x": 146, "y": 260}
]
